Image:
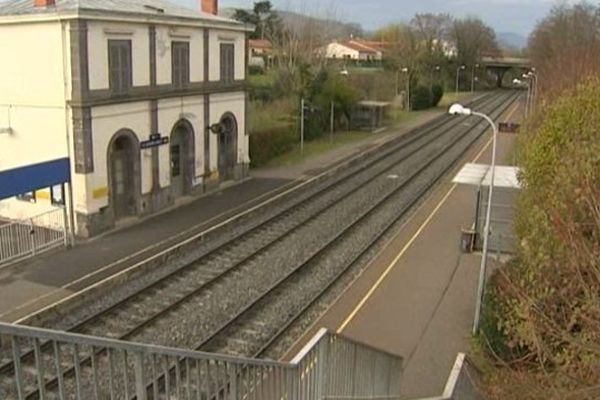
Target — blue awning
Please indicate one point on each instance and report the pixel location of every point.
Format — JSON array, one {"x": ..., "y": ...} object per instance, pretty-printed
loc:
[{"x": 34, "y": 177}]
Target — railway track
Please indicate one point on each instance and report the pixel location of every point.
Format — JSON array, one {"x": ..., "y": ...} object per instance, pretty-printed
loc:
[{"x": 356, "y": 200}]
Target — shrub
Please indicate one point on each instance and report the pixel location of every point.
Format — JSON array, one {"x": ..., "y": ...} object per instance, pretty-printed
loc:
[
  {"x": 421, "y": 98},
  {"x": 547, "y": 303},
  {"x": 437, "y": 92},
  {"x": 268, "y": 144},
  {"x": 255, "y": 70}
]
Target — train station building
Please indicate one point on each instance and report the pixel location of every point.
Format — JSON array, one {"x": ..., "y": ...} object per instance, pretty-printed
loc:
[{"x": 118, "y": 109}]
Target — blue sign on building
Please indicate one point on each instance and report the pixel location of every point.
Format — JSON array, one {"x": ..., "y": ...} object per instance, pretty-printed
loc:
[{"x": 34, "y": 177}]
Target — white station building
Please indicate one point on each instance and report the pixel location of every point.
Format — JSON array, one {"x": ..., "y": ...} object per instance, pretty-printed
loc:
[{"x": 117, "y": 108}]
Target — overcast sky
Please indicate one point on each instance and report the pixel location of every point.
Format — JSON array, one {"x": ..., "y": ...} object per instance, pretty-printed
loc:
[{"x": 518, "y": 16}]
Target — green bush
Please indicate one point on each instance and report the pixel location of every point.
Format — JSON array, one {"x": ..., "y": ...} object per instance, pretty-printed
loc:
[
  {"x": 437, "y": 92},
  {"x": 421, "y": 98},
  {"x": 255, "y": 70},
  {"x": 264, "y": 94},
  {"x": 268, "y": 144},
  {"x": 547, "y": 302}
]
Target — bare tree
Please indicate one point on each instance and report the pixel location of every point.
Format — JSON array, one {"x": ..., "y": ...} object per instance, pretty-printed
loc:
[
  {"x": 565, "y": 46},
  {"x": 431, "y": 30},
  {"x": 299, "y": 46},
  {"x": 473, "y": 39}
]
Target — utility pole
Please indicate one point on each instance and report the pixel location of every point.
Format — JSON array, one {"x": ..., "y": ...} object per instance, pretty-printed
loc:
[
  {"x": 473, "y": 77},
  {"x": 332, "y": 118},
  {"x": 302, "y": 127}
]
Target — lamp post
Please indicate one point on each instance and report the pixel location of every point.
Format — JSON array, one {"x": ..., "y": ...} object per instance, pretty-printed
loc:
[
  {"x": 528, "y": 80},
  {"x": 534, "y": 88},
  {"x": 407, "y": 72},
  {"x": 473, "y": 77},
  {"x": 462, "y": 67},
  {"x": 343, "y": 72},
  {"x": 457, "y": 109},
  {"x": 435, "y": 69}
]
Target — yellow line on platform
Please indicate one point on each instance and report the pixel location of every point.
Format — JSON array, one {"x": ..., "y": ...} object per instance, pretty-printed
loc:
[{"x": 393, "y": 264}]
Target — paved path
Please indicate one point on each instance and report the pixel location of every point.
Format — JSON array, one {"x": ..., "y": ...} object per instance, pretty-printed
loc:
[
  {"x": 417, "y": 297},
  {"x": 35, "y": 283}
]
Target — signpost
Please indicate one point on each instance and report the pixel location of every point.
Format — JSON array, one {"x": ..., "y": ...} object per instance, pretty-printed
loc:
[{"x": 154, "y": 141}]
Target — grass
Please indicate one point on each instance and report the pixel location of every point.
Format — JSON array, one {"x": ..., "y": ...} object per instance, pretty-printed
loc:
[
  {"x": 318, "y": 147},
  {"x": 279, "y": 113},
  {"x": 267, "y": 79},
  {"x": 273, "y": 115},
  {"x": 452, "y": 97}
]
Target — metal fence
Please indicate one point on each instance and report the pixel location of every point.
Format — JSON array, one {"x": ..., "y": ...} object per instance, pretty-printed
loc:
[
  {"x": 463, "y": 382},
  {"x": 45, "y": 364},
  {"x": 25, "y": 238}
]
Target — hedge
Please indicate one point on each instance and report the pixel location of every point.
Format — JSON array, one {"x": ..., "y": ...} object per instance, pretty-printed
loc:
[{"x": 270, "y": 143}]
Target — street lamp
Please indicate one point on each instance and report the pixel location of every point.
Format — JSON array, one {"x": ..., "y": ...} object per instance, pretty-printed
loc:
[
  {"x": 458, "y": 109},
  {"x": 473, "y": 77},
  {"x": 343, "y": 72},
  {"x": 528, "y": 80},
  {"x": 462, "y": 67},
  {"x": 406, "y": 71},
  {"x": 534, "y": 88},
  {"x": 435, "y": 69}
]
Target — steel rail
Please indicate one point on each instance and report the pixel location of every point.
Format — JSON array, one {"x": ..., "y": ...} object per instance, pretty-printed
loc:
[
  {"x": 292, "y": 320},
  {"x": 375, "y": 206},
  {"x": 402, "y": 144}
]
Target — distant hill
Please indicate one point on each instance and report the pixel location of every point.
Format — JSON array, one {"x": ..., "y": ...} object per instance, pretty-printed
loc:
[
  {"x": 511, "y": 40},
  {"x": 330, "y": 28}
]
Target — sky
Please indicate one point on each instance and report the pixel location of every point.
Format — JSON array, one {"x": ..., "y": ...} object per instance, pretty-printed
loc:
[{"x": 517, "y": 16}]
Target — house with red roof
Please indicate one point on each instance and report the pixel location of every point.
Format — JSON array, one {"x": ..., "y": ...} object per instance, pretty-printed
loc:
[{"x": 355, "y": 50}]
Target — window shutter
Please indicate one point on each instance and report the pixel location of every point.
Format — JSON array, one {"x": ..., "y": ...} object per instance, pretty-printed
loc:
[{"x": 119, "y": 65}]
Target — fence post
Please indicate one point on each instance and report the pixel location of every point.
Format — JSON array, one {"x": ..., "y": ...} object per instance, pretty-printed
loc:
[
  {"x": 65, "y": 229},
  {"x": 140, "y": 384},
  {"x": 31, "y": 236}
]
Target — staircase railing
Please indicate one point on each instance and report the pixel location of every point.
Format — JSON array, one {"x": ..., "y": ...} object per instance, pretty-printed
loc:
[{"x": 65, "y": 365}]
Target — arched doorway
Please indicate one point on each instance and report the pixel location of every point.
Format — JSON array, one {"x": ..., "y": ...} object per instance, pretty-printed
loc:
[
  {"x": 182, "y": 158},
  {"x": 228, "y": 146},
  {"x": 123, "y": 174}
]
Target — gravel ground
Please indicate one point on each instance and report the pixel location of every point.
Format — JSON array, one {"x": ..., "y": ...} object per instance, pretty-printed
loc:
[
  {"x": 290, "y": 298},
  {"x": 195, "y": 319}
]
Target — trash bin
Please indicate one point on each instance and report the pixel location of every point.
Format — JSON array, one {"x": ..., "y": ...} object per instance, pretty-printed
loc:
[{"x": 467, "y": 240}]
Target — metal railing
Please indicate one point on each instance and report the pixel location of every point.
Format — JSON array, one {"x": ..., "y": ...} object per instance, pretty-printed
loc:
[
  {"x": 44, "y": 364},
  {"x": 463, "y": 382},
  {"x": 26, "y": 238}
]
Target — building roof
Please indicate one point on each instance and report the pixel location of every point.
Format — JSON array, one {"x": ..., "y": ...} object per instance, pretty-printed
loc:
[
  {"x": 359, "y": 47},
  {"x": 373, "y": 44},
  {"x": 373, "y": 103},
  {"x": 143, "y": 8},
  {"x": 480, "y": 175},
  {"x": 260, "y": 44}
]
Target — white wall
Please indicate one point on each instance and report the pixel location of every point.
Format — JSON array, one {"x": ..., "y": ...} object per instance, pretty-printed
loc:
[
  {"x": 171, "y": 111},
  {"x": 32, "y": 94},
  {"x": 236, "y": 104},
  {"x": 106, "y": 122},
  {"x": 338, "y": 51},
  {"x": 32, "y": 103},
  {"x": 164, "y": 36},
  {"x": 216, "y": 37},
  {"x": 98, "y": 35}
]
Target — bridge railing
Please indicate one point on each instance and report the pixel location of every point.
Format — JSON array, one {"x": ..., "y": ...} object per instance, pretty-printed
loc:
[{"x": 45, "y": 364}]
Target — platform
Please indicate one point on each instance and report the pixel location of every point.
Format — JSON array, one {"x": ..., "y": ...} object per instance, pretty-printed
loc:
[
  {"x": 417, "y": 297},
  {"x": 33, "y": 284}
]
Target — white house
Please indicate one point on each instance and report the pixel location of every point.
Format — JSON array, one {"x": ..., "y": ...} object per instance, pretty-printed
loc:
[
  {"x": 352, "y": 50},
  {"x": 117, "y": 108}
]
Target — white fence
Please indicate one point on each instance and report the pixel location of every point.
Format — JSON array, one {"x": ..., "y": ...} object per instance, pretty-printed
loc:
[{"x": 26, "y": 238}]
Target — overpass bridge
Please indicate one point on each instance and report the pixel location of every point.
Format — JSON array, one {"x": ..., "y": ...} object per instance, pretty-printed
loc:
[{"x": 500, "y": 65}]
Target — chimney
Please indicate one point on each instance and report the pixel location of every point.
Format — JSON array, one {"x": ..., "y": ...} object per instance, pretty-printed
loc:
[
  {"x": 43, "y": 3},
  {"x": 208, "y": 6}
]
